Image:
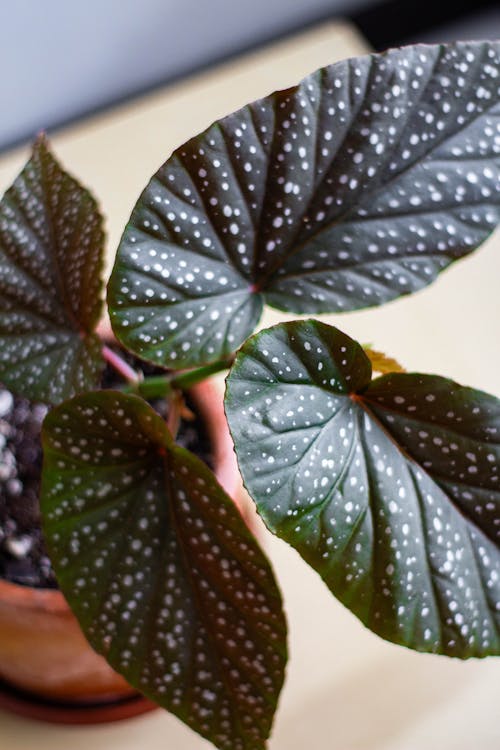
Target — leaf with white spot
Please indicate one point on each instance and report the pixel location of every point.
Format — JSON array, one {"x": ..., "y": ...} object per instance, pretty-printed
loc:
[
  {"x": 349, "y": 190},
  {"x": 388, "y": 488},
  {"x": 51, "y": 253},
  {"x": 165, "y": 578}
]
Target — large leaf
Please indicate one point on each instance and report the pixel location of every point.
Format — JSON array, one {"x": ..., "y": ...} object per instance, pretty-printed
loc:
[
  {"x": 51, "y": 252},
  {"x": 353, "y": 188},
  {"x": 164, "y": 576},
  {"x": 389, "y": 489}
]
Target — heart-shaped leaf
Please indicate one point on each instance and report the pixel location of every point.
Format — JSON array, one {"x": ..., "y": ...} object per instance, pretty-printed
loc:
[
  {"x": 389, "y": 489},
  {"x": 51, "y": 252},
  {"x": 353, "y": 188},
  {"x": 160, "y": 569}
]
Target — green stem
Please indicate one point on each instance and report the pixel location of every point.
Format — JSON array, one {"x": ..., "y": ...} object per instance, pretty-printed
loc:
[
  {"x": 160, "y": 386},
  {"x": 187, "y": 379}
]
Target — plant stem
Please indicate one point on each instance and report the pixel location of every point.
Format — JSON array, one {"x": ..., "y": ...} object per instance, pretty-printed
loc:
[
  {"x": 191, "y": 377},
  {"x": 127, "y": 372},
  {"x": 159, "y": 386}
]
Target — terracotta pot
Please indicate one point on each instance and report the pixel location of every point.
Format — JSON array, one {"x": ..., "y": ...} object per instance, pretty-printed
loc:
[
  {"x": 43, "y": 652},
  {"x": 209, "y": 399}
]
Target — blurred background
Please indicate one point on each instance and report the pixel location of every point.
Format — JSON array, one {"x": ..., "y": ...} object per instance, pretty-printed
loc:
[{"x": 63, "y": 60}]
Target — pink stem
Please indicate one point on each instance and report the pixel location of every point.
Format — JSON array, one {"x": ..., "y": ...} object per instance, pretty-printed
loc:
[{"x": 120, "y": 365}]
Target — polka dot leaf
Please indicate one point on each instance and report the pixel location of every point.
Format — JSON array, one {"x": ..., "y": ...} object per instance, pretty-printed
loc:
[
  {"x": 164, "y": 576},
  {"x": 389, "y": 488},
  {"x": 51, "y": 247},
  {"x": 356, "y": 187}
]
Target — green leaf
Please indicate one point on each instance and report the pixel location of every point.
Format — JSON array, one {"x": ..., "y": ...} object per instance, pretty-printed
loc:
[
  {"x": 351, "y": 189},
  {"x": 389, "y": 489},
  {"x": 51, "y": 254},
  {"x": 160, "y": 569}
]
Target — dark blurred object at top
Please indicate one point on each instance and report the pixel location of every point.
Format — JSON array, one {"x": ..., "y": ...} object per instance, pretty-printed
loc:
[{"x": 397, "y": 22}]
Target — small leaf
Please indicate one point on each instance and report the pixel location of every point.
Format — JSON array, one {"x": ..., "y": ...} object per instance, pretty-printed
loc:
[
  {"x": 381, "y": 362},
  {"x": 351, "y": 189},
  {"x": 51, "y": 253},
  {"x": 160, "y": 569},
  {"x": 389, "y": 489}
]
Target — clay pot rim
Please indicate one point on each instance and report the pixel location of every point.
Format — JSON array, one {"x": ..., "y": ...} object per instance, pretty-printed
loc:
[{"x": 52, "y": 712}]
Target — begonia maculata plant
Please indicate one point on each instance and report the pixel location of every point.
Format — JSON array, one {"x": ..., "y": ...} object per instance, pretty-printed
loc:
[{"x": 354, "y": 188}]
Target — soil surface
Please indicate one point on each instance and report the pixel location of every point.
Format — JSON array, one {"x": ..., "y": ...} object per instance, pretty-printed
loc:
[{"x": 23, "y": 556}]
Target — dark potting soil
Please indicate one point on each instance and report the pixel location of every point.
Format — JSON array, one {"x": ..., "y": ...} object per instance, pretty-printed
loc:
[{"x": 23, "y": 555}]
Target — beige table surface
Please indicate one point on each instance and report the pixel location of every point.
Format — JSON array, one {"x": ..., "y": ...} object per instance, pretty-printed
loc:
[{"x": 345, "y": 688}]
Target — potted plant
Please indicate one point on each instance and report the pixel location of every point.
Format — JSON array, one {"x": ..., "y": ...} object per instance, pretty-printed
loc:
[
  {"x": 350, "y": 190},
  {"x": 48, "y": 669}
]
